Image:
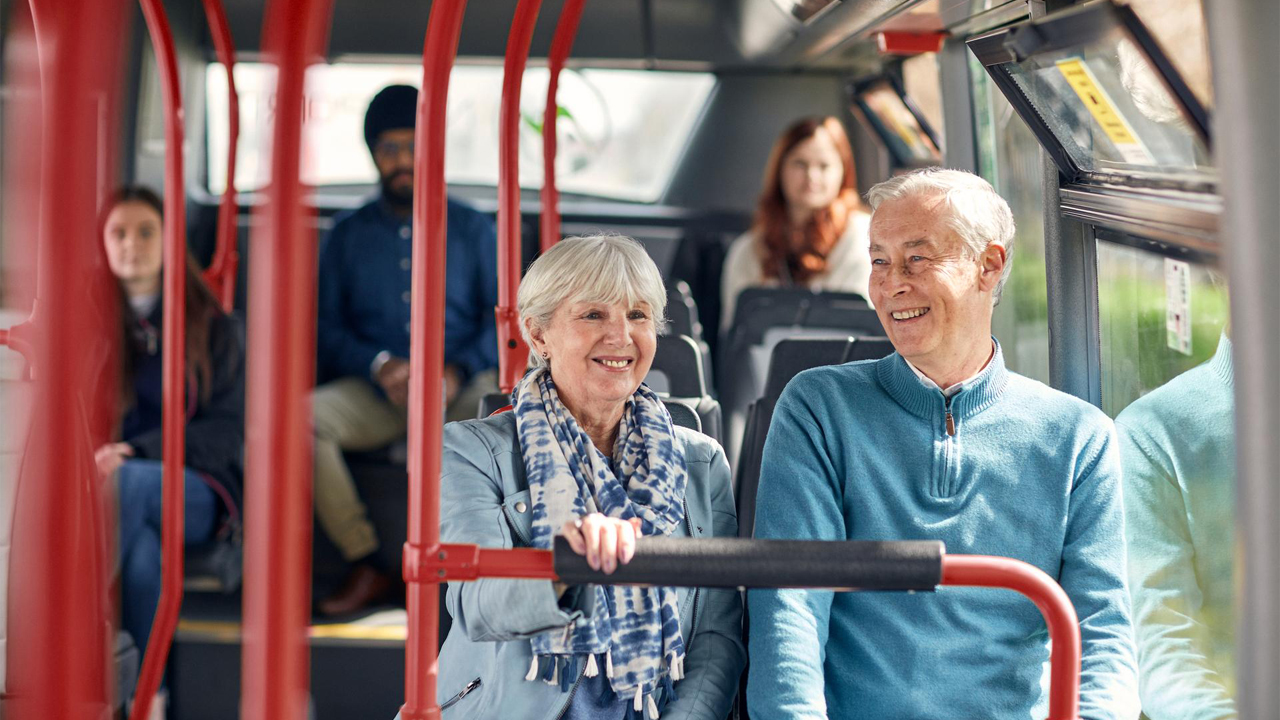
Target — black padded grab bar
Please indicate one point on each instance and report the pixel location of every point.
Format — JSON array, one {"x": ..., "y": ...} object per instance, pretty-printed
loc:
[{"x": 742, "y": 562}]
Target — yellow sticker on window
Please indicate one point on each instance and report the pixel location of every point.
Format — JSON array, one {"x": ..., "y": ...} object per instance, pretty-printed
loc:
[{"x": 1099, "y": 104}]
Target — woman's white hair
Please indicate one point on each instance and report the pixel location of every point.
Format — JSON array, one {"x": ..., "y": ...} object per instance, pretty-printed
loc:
[
  {"x": 595, "y": 268},
  {"x": 975, "y": 211}
]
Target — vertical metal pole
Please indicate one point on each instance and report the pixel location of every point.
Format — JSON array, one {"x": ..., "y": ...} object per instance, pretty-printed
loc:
[
  {"x": 281, "y": 370},
  {"x": 426, "y": 355},
  {"x": 173, "y": 361},
  {"x": 513, "y": 354},
  {"x": 561, "y": 46},
  {"x": 221, "y": 274},
  {"x": 1246, "y": 63},
  {"x": 60, "y": 629}
]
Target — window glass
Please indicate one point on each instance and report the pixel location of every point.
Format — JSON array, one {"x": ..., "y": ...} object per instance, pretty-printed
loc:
[
  {"x": 1009, "y": 159},
  {"x": 1178, "y": 25},
  {"x": 620, "y": 132},
  {"x": 896, "y": 125},
  {"x": 1109, "y": 109},
  {"x": 1167, "y": 378}
]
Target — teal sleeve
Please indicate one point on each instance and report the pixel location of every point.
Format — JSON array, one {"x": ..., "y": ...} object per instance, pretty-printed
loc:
[
  {"x": 800, "y": 497},
  {"x": 1093, "y": 575},
  {"x": 488, "y": 609},
  {"x": 1178, "y": 679},
  {"x": 716, "y": 654}
]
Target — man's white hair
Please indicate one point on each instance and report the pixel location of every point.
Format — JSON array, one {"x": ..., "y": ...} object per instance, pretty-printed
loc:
[
  {"x": 596, "y": 268},
  {"x": 974, "y": 210}
]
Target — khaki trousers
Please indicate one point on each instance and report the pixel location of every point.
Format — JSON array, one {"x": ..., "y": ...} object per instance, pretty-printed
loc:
[{"x": 351, "y": 415}]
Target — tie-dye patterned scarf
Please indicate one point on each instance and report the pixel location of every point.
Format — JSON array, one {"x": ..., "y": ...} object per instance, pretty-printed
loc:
[{"x": 636, "y": 629}]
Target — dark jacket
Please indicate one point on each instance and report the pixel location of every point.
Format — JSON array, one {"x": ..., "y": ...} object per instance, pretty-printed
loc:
[{"x": 215, "y": 427}]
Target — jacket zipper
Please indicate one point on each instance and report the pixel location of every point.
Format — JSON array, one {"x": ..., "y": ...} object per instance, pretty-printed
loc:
[
  {"x": 951, "y": 421},
  {"x": 465, "y": 692},
  {"x": 572, "y": 691}
]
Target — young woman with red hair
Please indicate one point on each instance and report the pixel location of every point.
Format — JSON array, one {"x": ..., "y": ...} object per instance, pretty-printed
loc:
[{"x": 810, "y": 228}]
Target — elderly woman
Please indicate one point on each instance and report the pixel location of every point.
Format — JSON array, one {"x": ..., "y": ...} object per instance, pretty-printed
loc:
[{"x": 589, "y": 452}]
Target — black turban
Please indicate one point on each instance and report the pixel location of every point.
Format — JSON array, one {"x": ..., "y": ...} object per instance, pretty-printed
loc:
[{"x": 393, "y": 108}]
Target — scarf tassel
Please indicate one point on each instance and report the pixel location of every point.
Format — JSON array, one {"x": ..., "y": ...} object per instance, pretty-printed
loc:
[
  {"x": 644, "y": 707},
  {"x": 533, "y": 670},
  {"x": 608, "y": 662},
  {"x": 568, "y": 673},
  {"x": 592, "y": 668}
]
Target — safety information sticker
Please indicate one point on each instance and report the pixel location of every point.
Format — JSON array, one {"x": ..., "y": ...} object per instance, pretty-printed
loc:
[
  {"x": 1177, "y": 307},
  {"x": 1081, "y": 79}
]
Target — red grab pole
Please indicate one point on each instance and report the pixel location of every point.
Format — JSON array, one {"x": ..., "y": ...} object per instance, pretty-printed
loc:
[
  {"x": 426, "y": 355},
  {"x": 173, "y": 359},
  {"x": 59, "y": 614},
  {"x": 1051, "y": 599},
  {"x": 561, "y": 46},
  {"x": 221, "y": 273},
  {"x": 281, "y": 373},
  {"x": 513, "y": 353}
]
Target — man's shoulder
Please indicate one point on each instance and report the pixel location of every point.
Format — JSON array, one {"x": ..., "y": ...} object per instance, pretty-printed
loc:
[
  {"x": 366, "y": 212},
  {"x": 820, "y": 381},
  {"x": 1051, "y": 404}
]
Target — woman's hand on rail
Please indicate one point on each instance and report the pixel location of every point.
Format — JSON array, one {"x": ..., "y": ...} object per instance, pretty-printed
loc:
[
  {"x": 111, "y": 456},
  {"x": 606, "y": 542}
]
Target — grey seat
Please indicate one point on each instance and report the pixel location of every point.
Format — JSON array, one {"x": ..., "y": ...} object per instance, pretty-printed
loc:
[
  {"x": 680, "y": 360},
  {"x": 790, "y": 358}
]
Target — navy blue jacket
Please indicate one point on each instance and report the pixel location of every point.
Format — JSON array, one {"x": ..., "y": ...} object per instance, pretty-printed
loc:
[
  {"x": 215, "y": 427},
  {"x": 364, "y": 291}
]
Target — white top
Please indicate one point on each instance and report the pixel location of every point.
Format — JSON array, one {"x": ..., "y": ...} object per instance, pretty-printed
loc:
[
  {"x": 143, "y": 304},
  {"x": 848, "y": 267}
]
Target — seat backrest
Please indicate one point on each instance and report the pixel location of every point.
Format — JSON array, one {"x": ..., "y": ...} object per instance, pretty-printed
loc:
[
  {"x": 794, "y": 355},
  {"x": 680, "y": 358},
  {"x": 790, "y": 358},
  {"x": 682, "y": 311},
  {"x": 682, "y": 415},
  {"x": 492, "y": 403},
  {"x": 761, "y": 308}
]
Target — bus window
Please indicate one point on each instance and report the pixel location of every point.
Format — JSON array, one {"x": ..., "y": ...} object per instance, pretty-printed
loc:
[
  {"x": 621, "y": 131},
  {"x": 1178, "y": 25},
  {"x": 1009, "y": 159},
  {"x": 1167, "y": 378}
]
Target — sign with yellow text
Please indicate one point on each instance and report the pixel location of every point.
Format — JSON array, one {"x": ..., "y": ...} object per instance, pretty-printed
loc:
[{"x": 1099, "y": 104}]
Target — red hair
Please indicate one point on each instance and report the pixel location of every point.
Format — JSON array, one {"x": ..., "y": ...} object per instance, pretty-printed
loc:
[{"x": 801, "y": 253}]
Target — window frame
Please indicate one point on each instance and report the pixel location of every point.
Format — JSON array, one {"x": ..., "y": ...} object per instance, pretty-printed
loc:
[{"x": 1075, "y": 28}]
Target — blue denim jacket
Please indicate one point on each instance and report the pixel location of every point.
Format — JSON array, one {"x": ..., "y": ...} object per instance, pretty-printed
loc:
[
  {"x": 364, "y": 291},
  {"x": 485, "y": 499}
]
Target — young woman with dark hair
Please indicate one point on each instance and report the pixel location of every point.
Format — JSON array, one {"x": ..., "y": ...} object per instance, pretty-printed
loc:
[
  {"x": 131, "y": 239},
  {"x": 810, "y": 228}
]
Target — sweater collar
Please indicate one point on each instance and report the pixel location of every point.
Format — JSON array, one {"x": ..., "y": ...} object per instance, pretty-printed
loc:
[
  {"x": 978, "y": 393},
  {"x": 1221, "y": 364}
]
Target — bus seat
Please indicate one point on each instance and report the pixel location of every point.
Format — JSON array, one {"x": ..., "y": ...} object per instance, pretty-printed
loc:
[
  {"x": 682, "y": 311},
  {"x": 790, "y": 358},
  {"x": 763, "y": 317},
  {"x": 680, "y": 360}
]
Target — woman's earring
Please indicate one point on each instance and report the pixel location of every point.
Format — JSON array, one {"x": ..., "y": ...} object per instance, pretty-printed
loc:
[{"x": 546, "y": 356}]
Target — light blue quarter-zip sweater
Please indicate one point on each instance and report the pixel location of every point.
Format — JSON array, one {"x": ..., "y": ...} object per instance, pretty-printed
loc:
[
  {"x": 1007, "y": 466},
  {"x": 1178, "y": 446}
]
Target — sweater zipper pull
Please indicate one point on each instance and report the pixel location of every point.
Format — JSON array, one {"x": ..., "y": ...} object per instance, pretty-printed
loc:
[{"x": 951, "y": 424}]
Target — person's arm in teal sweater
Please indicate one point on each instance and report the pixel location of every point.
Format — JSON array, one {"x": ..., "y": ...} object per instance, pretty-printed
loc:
[
  {"x": 1093, "y": 575},
  {"x": 800, "y": 497},
  {"x": 1178, "y": 680},
  {"x": 716, "y": 655}
]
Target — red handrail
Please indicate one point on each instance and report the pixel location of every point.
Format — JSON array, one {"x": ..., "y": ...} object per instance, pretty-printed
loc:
[
  {"x": 513, "y": 353},
  {"x": 173, "y": 360},
  {"x": 281, "y": 373},
  {"x": 59, "y": 613},
  {"x": 221, "y": 273},
  {"x": 426, "y": 353},
  {"x": 561, "y": 46},
  {"x": 1051, "y": 599}
]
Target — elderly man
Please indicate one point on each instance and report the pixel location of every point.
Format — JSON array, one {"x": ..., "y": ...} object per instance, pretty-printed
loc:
[
  {"x": 363, "y": 336},
  {"x": 939, "y": 441}
]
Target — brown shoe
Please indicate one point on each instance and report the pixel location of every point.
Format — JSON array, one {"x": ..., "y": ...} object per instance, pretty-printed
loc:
[{"x": 363, "y": 586}]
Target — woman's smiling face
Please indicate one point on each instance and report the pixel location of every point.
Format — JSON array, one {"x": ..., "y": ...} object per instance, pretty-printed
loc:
[{"x": 599, "y": 352}]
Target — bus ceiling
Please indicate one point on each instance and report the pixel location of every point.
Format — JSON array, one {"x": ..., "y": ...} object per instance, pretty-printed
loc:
[{"x": 836, "y": 35}]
